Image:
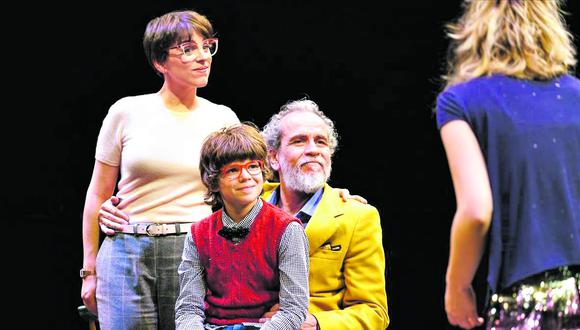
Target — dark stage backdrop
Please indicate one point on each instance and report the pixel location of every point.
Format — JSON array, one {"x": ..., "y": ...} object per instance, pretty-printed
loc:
[{"x": 374, "y": 71}]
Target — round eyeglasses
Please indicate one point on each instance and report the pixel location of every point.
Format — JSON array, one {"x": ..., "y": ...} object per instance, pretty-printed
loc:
[
  {"x": 190, "y": 50},
  {"x": 233, "y": 171}
]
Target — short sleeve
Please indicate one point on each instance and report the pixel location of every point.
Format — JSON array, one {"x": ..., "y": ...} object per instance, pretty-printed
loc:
[
  {"x": 449, "y": 107},
  {"x": 230, "y": 117},
  {"x": 109, "y": 142}
]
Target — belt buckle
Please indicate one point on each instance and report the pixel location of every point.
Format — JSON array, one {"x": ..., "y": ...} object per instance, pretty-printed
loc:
[{"x": 150, "y": 233}]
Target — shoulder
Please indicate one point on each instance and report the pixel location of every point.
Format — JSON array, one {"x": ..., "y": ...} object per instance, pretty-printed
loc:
[
  {"x": 571, "y": 82},
  {"x": 362, "y": 211},
  {"x": 130, "y": 102},
  {"x": 467, "y": 100},
  {"x": 352, "y": 208},
  {"x": 454, "y": 93},
  {"x": 293, "y": 234},
  {"x": 473, "y": 88},
  {"x": 128, "y": 105},
  {"x": 218, "y": 109}
]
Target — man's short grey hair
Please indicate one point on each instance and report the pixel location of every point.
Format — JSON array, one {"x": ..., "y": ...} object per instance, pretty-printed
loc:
[{"x": 272, "y": 132}]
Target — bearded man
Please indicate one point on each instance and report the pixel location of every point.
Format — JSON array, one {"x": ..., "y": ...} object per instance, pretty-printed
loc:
[{"x": 347, "y": 260}]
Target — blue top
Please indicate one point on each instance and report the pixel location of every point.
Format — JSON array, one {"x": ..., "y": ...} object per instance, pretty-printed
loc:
[{"x": 529, "y": 134}]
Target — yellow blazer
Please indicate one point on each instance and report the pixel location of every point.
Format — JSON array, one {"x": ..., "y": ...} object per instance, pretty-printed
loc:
[{"x": 347, "y": 264}]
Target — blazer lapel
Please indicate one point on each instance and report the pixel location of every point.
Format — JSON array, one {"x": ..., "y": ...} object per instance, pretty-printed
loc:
[{"x": 323, "y": 224}]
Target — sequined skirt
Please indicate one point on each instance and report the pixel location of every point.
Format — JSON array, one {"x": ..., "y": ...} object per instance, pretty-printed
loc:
[{"x": 548, "y": 301}]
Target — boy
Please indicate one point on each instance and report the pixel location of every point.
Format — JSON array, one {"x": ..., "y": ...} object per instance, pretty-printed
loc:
[{"x": 248, "y": 255}]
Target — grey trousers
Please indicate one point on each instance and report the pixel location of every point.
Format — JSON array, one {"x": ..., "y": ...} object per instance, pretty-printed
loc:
[{"x": 137, "y": 281}]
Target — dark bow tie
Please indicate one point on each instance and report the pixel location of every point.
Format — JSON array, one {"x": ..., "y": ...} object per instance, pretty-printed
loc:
[{"x": 232, "y": 234}]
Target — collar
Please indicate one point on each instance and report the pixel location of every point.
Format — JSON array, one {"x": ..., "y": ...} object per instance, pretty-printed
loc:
[
  {"x": 308, "y": 208},
  {"x": 246, "y": 221}
]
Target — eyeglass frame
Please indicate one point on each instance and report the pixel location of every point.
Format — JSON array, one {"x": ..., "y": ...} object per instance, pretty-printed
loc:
[
  {"x": 183, "y": 44},
  {"x": 241, "y": 167}
]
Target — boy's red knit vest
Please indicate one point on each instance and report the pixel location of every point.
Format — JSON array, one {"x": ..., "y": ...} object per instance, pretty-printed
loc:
[{"x": 242, "y": 279}]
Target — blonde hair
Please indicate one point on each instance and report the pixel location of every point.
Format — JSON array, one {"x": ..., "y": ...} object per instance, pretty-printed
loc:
[{"x": 519, "y": 38}]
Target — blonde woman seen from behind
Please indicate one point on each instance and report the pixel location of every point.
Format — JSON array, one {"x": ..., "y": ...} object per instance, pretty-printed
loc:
[{"x": 509, "y": 119}]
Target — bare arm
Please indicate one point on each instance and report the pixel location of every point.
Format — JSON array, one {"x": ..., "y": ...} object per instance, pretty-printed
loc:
[
  {"x": 101, "y": 187},
  {"x": 470, "y": 223}
]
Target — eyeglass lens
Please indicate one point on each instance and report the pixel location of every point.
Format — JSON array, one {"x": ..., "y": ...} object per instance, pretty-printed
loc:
[
  {"x": 233, "y": 171},
  {"x": 190, "y": 49}
]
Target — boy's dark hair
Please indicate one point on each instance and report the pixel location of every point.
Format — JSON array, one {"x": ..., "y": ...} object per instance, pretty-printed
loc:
[{"x": 237, "y": 142}]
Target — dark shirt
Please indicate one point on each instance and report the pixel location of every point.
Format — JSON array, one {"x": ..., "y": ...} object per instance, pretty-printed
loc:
[{"x": 529, "y": 134}]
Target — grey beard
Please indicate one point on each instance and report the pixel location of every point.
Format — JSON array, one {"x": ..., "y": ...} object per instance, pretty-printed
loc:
[{"x": 307, "y": 183}]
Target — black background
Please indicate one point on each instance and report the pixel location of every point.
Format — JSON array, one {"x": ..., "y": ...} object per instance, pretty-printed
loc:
[{"x": 374, "y": 71}]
